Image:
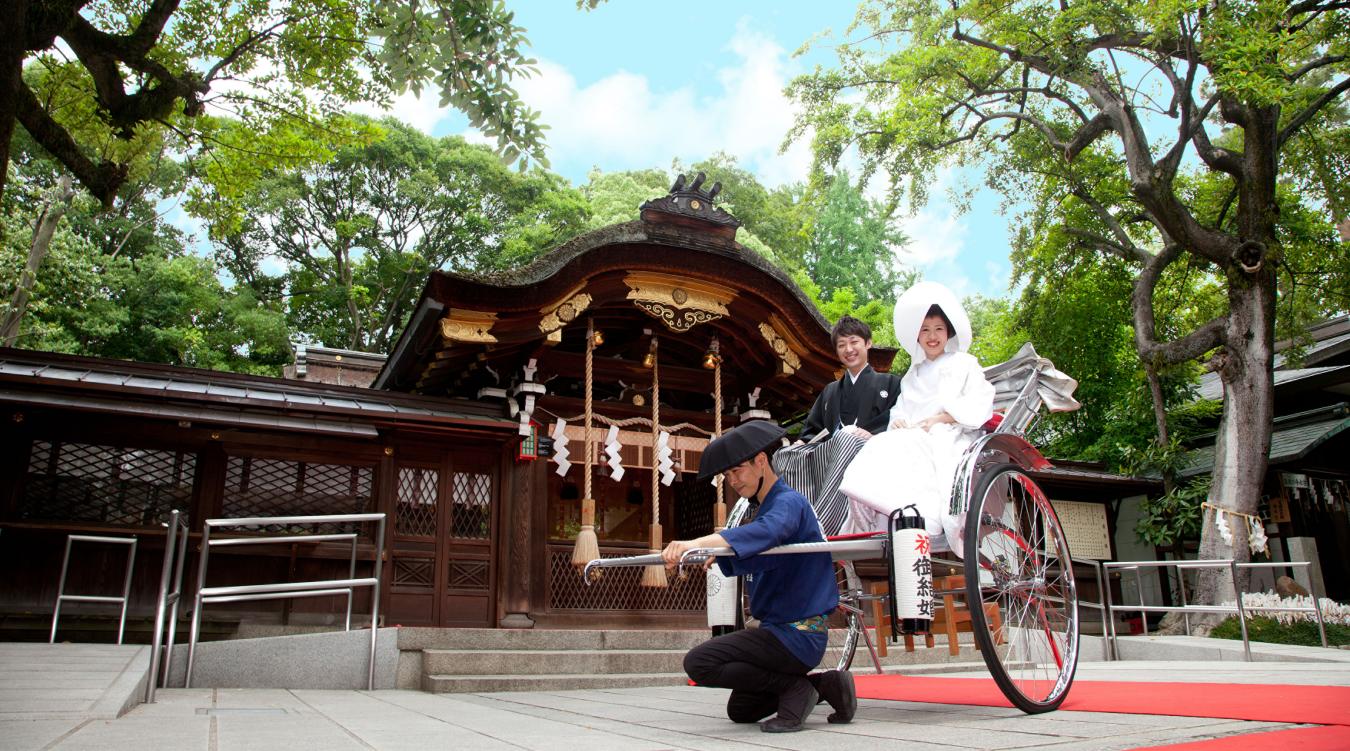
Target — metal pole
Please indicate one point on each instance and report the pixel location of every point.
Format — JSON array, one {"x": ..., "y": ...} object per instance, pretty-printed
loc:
[
  {"x": 351, "y": 574},
  {"x": 1317, "y": 608},
  {"x": 60, "y": 590},
  {"x": 1143, "y": 614},
  {"x": 1242, "y": 613},
  {"x": 375, "y": 601},
  {"x": 156, "y": 639},
  {"x": 126, "y": 590},
  {"x": 177, "y": 601},
  {"x": 197, "y": 606},
  {"x": 1181, "y": 586},
  {"x": 1110, "y": 615}
]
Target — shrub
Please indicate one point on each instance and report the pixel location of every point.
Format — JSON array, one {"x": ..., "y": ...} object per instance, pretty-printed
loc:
[{"x": 1263, "y": 629}]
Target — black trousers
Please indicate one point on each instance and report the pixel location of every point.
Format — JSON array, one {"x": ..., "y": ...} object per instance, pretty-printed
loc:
[{"x": 753, "y": 664}]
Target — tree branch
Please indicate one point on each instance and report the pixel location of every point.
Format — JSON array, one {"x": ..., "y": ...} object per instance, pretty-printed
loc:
[
  {"x": 1161, "y": 354},
  {"x": 1307, "y": 114},
  {"x": 102, "y": 180}
]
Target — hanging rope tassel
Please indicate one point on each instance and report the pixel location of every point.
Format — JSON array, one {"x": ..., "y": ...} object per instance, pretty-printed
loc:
[
  {"x": 588, "y": 545},
  {"x": 720, "y": 506},
  {"x": 655, "y": 576}
]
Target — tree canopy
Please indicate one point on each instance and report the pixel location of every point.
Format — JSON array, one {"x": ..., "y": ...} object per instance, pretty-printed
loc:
[
  {"x": 1154, "y": 134},
  {"x": 273, "y": 64},
  {"x": 355, "y": 237}
]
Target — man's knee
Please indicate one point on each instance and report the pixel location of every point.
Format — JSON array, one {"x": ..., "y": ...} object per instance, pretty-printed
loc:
[
  {"x": 746, "y": 707},
  {"x": 698, "y": 666}
]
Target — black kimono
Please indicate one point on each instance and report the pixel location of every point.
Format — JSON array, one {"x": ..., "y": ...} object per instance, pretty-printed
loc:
[{"x": 868, "y": 401}]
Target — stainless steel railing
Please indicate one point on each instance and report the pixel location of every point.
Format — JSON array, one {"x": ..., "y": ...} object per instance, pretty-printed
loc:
[
  {"x": 288, "y": 590},
  {"x": 61, "y": 595},
  {"x": 1238, "y": 608},
  {"x": 175, "y": 553}
]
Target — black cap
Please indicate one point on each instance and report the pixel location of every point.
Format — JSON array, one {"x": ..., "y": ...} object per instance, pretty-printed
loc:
[{"x": 739, "y": 444}]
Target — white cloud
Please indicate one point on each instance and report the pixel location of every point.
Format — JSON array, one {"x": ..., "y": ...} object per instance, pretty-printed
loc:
[
  {"x": 621, "y": 122},
  {"x": 422, "y": 112},
  {"x": 937, "y": 235}
]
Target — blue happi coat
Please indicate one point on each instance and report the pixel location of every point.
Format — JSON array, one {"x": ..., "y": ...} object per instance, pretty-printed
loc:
[{"x": 784, "y": 589}]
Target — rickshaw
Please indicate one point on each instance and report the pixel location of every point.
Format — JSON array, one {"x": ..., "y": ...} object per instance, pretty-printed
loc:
[{"x": 1012, "y": 549}]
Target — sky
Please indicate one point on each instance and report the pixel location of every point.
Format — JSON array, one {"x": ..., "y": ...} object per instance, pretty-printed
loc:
[{"x": 636, "y": 84}]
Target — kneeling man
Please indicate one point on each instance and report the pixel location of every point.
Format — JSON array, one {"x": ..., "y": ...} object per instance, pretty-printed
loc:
[{"x": 768, "y": 668}]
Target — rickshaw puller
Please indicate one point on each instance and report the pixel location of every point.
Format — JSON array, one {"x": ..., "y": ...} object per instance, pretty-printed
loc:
[{"x": 768, "y": 669}]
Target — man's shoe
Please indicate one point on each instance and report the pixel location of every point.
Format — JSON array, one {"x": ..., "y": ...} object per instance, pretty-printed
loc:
[
  {"x": 837, "y": 687},
  {"x": 779, "y": 725}
]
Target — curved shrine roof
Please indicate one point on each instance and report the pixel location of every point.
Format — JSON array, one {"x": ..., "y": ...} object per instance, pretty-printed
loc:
[{"x": 673, "y": 275}]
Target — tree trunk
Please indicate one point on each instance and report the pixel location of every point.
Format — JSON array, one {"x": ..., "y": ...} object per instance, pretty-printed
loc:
[
  {"x": 1243, "y": 445},
  {"x": 43, "y": 229},
  {"x": 12, "y": 54}
]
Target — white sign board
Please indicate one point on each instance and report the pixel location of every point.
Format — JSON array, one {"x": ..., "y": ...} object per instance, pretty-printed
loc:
[{"x": 1085, "y": 526}]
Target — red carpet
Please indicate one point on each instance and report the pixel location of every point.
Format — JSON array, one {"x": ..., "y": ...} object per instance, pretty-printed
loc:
[
  {"x": 1317, "y": 705},
  {"x": 1314, "y": 705},
  {"x": 1330, "y": 738}
]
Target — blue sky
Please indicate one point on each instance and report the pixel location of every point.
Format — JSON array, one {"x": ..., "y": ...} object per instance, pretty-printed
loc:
[{"x": 636, "y": 84}]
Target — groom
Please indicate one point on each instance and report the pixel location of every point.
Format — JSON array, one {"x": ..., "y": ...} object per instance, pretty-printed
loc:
[{"x": 862, "y": 398}]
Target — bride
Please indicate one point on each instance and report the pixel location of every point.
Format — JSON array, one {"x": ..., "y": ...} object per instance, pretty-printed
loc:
[{"x": 944, "y": 400}]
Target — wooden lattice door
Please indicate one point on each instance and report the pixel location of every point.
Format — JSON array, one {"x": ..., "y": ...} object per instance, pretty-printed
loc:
[{"x": 442, "y": 544}]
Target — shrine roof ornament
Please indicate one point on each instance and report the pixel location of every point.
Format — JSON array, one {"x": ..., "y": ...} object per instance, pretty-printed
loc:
[{"x": 689, "y": 204}]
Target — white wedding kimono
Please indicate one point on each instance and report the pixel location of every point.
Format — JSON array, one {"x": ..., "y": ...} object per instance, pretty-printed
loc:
[{"x": 905, "y": 466}]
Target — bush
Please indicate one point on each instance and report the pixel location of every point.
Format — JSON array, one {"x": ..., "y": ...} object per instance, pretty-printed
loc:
[{"x": 1269, "y": 630}]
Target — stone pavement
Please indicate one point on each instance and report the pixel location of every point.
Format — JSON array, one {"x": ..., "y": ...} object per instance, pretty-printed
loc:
[{"x": 54, "y": 704}]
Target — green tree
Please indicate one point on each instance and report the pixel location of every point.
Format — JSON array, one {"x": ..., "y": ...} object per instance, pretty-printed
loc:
[
  {"x": 154, "y": 308},
  {"x": 852, "y": 242},
  {"x": 162, "y": 62},
  {"x": 1148, "y": 89},
  {"x": 359, "y": 234}
]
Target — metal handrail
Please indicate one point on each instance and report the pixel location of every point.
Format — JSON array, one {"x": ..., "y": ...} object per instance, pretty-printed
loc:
[
  {"x": 288, "y": 590},
  {"x": 61, "y": 595},
  {"x": 1238, "y": 608},
  {"x": 175, "y": 554}
]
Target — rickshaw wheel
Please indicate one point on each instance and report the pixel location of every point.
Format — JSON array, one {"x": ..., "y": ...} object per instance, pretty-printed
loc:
[
  {"x": 849, "y": 612},
  {"x": 1020, "y": 589}
]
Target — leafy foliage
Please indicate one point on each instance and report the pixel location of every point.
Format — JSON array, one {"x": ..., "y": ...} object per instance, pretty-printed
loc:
[
  {"x": 1271, "y": 631},
  {"x": 276, "y": 65},
  {"x": 357, "y": 236}
]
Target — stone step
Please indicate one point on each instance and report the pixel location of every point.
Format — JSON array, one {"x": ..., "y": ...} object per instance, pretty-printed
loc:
[
  {"x": 417, "y": 638},
  {"x": 486, "y": 662},
  {"x": 461, "y": 684}
]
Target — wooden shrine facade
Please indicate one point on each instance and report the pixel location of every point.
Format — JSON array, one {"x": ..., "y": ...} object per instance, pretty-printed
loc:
[
  {"x": 480, "y": 533},
  {"x": 659, "y": 312}
]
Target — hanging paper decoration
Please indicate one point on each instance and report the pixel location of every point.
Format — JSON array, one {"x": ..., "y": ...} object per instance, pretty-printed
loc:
[
  {"x": 614, "y": 460},
  {"x": 1255, "y": 527},
  {"x": 664, "y": 464},
  {"x": 1256, "y": 538},
  {"x": 559, "y": 435},
  {"x": 1225, "y": 531}
]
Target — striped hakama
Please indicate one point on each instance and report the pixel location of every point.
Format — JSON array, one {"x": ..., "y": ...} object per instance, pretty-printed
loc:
[{"x": 816, "y": 469}]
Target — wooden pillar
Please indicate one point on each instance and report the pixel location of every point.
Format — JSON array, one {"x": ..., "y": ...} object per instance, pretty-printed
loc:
[{"x": 523, "y": 483}]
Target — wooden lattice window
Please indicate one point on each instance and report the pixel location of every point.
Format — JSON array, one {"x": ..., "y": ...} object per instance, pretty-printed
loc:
[
  {"x": 82, "y": 482},
  {"x": 469, "y": 574},
  {"x": 417, "y": 491},
  {"x": 621, "y": 588},
  {"x": 471, "y": 505},
  {"x": 257, "y": 486},
  {"x": 414, "y": 572}
]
